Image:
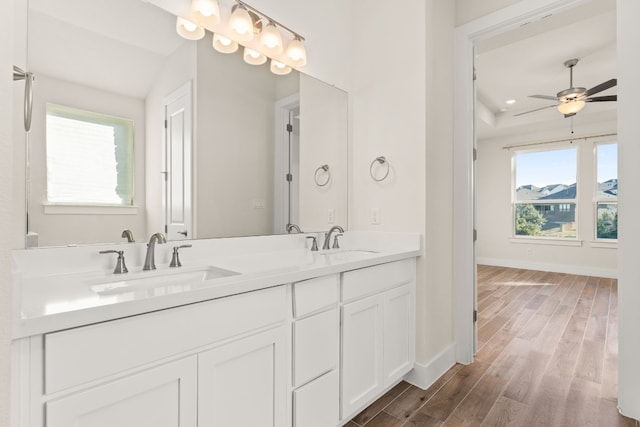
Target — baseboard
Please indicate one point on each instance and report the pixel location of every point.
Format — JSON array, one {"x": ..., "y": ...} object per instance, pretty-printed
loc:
[
  {"x": 610, "y": 273},
  {"x": 423, "y": 376}
]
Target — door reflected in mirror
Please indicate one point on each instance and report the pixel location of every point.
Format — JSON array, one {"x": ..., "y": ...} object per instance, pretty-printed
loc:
[{"x": 221, "y": 148}]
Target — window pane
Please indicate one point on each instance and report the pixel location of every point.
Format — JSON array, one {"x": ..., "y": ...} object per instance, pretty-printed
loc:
[
  {"x": 545, "y": 219},
  {"x": 607, "y": 226},
  {"x": 89, "y": 157},
  {"x": 546, "y": 175},
  {"x": 607, "y": 161},
  {"x": 546, "y": 180}
]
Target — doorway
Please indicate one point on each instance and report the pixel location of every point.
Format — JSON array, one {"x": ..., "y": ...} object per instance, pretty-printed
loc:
[{"x": 287, "y": 163}]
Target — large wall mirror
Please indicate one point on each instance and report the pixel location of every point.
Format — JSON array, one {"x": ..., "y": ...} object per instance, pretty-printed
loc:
[{"x": 202, "y": 142}]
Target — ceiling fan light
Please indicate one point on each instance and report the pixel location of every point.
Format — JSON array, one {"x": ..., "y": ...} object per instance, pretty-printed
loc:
[
  {"x": 188, "y": 29},
  {"x": 207, "y": 8},
  {"x": 296, "y": 53},
  {"x": 571, "y": 107},
  {"x": 279, "y": 68},
  {"x": 241, "y": 24},
  {"x": 270, "y": 39},
  {"x": 252, "y": 57},
  {"x": 223, "y": 44}
]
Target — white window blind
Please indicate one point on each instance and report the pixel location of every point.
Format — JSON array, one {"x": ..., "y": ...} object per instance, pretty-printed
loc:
[{"x": 89, "y": 157}]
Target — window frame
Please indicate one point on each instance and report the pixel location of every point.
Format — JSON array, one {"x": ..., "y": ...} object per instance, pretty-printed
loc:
[{"x": 127, "y": 125}]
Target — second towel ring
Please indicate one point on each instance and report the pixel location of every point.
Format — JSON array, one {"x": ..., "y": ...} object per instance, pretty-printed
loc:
[
  {"x": 317, "y": 176},
  {"x": 383, "y": 161}
]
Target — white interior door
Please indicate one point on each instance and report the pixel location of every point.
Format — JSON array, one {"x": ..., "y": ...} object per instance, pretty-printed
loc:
[
  {"x": 287, "y": 163},
  {"x": 177, "y": 175}
]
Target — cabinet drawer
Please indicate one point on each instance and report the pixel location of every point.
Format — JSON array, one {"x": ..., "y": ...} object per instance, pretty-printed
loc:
[
  {"x": 372, "y": 280},
  {"x": 315, "y": 294},
  {"x": 316, "y": 404},
  {"x": 88, "y": 353},
  {"x": 315, "y": 346}
]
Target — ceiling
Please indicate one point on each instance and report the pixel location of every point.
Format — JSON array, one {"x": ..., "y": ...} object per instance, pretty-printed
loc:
[{"x": 529, "y": 61}]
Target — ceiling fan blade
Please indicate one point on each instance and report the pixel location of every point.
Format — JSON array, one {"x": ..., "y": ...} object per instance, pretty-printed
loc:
[
  {"x": 602, "y": 98},
  {"x": 549, "y": 97},
  {"x": 602, "y": 86},
  {"x": 533, "y": 111},
  {"x": 569, "y": 115}
]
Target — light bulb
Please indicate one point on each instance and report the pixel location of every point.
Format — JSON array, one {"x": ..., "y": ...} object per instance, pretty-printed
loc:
[
  {"x": 188, "y": 29},
  {"x": 207, "y": 8},
  {"x": 296, "y": 53},
  {"x": 223, "y": 44},
  {"x": 254, "y": 58},
  {"x": 571, "y": 107},
  {"x": 271, "y": 39},
  {"x": 279, "y": 68},
  {"x": 241, "y": 24}
]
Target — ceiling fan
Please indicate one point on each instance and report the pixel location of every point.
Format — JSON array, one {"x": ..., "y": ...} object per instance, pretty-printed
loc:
[{"x": 572, "y": 100}]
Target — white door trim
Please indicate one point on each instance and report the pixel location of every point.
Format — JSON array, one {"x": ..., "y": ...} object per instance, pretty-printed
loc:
[
  {"x": 183, "y": 92},
  {"x": 463, "y": 143},
  {"x": 281, "y": 153}
]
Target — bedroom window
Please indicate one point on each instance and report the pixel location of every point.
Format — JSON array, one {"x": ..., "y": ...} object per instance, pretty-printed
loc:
[
  {"x": 89, "y": 158},
  {"x": 544, "y": 199},
  {"x": 606, "y": 200}
]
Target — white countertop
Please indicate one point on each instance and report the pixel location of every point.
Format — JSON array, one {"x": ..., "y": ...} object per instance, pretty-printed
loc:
[{"x": 52, "y": 293}]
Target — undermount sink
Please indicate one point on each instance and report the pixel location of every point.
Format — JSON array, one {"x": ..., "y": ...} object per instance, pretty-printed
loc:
[
  {"x": 168, "y": 277},
  {"x": 347, "y": 254}
]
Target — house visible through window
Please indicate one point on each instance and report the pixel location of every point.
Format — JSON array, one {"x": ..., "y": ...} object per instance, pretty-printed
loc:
[
  {"x": 545, "y": 193},
  {"x": 607, "y": 191},
  {"x": 89, "y": 157}
]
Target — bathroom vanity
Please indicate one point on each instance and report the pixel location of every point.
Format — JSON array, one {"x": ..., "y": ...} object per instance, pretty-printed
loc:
[{"x": 256, "y": 331}]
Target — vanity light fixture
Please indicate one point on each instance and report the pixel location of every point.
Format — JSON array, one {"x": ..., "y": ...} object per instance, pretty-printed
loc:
[
  {"x": 243, "y": 25},
  {"x": 271, "y": 39},
  {"x": 252, "y": 57},
  {"x": 207, "y": 8},
  {"x": 279, "y": 68},
  {"x": 223, "y": 44},
  {"x": 188, "y": 29},
  {"x": 296, "y": 52}
]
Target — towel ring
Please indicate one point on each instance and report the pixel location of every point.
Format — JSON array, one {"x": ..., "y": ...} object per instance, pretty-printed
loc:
[
  {"x": 383, "y": 161},
  {"x": 317, "y": 176}
]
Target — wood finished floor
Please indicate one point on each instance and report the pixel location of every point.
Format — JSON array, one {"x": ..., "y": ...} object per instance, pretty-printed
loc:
[{"x": 547, "y": 356}]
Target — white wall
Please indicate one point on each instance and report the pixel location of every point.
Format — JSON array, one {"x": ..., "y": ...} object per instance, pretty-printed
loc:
[
  {"x": 468, "y": 10},
  {"x": 63, "y": 229},
  {"x": 629, "y": 207},
  {"x": 495, "y": 245},
  {"x": 234, "y": 144},
  {"x": 323, "y": 137},
  {"x": 7, "y": 211}
]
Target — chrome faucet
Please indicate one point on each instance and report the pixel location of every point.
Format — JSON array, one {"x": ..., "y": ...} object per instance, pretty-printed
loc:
[
  {"x": 291, "y": 227},
  {"x": 327, "y": 236},
  {"x": 149, "y": 260},
  {"x": 128, "y": 234}
]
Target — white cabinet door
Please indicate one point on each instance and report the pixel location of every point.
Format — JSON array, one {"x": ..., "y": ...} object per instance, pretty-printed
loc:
[
  {"x": 362, "y": 352},
  {"x": 399, "y": 333},
  {"x": 164, "y": 396},
  {"x": 316, "y": 404},
  {"x": 243, "y": 383}
]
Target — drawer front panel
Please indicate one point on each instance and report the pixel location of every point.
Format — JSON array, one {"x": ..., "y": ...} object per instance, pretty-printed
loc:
[
  {"x": 315, "y": 346},
  {"x": 372, "y": 280},
  {"x": 316, "y": 404},
  {"x": 315, "y": 294},
  {"x": 75, "y": 356}
]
